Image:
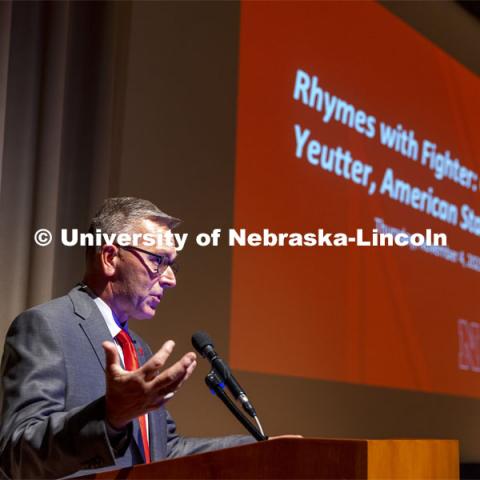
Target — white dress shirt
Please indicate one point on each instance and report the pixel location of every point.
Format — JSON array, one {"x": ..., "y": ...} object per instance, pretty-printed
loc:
[{"x": 113, "y": 327}]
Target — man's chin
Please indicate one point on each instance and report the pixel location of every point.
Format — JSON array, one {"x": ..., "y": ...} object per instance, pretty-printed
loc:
[{"x": 146, "y": 314}]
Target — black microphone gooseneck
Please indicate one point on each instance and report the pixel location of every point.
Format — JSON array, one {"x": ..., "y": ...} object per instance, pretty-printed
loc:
[
  {"x": 220, "y": 375},
  {"x": 205, "y": 347},
  {"x": 215, "y": 385}
]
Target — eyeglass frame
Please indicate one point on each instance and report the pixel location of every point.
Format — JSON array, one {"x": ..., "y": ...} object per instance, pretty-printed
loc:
[{"x": 172, "y": 264}]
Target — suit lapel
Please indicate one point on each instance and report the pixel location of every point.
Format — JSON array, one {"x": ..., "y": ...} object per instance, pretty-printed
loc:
[
  {"x": 93, "y": 324},
  {"x": 157, "y": 440},
  {"x": 156, "y": 420},
  {"x": 96, "y": 330},
  {"x": 137, "y": 436},
  {"x": 142, "y": 358},
  {"x": 140, "y": 351}
]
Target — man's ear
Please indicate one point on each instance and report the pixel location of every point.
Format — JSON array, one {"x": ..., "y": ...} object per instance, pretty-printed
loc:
[{"x": 109, "y": 259}]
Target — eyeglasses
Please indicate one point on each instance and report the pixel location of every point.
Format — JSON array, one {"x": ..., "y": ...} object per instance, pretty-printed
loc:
[{"x": 160, "y": 262}]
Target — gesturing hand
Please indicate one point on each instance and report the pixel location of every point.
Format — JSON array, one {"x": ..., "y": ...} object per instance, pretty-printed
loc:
[{"x": 132, "y": 394}]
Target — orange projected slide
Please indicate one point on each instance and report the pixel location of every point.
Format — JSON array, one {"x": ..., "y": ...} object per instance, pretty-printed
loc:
[{"x": 348, "y": 119}]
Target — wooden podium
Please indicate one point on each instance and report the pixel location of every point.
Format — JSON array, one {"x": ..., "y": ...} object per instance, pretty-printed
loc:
[{"x": 310, "y": 458}]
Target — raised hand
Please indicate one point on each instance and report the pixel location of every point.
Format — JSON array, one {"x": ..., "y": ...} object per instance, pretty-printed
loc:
[{"x": 132, "y": 394}]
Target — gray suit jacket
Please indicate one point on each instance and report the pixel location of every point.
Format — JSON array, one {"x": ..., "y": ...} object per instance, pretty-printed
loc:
[{"x": 52, "y": 397}]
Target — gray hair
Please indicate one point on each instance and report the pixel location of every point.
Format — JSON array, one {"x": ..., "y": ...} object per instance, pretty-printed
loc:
[{"x": 121, "y": 214}]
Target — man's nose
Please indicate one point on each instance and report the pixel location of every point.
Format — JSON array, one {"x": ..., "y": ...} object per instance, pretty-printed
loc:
[{"x": 167, "y": 278}]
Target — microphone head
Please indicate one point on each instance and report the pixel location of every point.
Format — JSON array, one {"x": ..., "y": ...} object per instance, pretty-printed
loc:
[{"x": 200, "y": 340}]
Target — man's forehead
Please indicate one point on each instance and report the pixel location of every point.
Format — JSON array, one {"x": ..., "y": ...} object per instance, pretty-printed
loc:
[
  {"x": 163, "y": 235},
  {"x": 148, "y": 225}
]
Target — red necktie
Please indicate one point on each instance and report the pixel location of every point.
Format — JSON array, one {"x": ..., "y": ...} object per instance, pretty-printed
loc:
[{"x": 131, "y": 363}]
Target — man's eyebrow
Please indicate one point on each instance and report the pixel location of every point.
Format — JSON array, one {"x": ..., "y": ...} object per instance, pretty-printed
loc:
[{"x": 171, "y": 255}]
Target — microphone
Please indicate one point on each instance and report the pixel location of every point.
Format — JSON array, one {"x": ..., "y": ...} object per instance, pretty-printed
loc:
[
  {"x": 203, "y": 344},
  {"x": 215, "y": 384}
]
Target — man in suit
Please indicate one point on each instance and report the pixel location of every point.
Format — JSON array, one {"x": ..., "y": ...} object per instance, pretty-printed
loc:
[{"x": 80, "y": 392}]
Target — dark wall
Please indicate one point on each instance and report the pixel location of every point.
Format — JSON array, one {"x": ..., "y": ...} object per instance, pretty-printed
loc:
[
  {"x": 447, "y": 24},
  {"x": 178, "y": 150}
]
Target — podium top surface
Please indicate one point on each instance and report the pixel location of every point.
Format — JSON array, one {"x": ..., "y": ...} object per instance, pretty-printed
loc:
[{"x": 304, "y": 458}]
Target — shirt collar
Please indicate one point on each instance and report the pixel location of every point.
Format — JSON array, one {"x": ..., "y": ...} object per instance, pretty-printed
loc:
[{"x": 111, "y": 320}]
